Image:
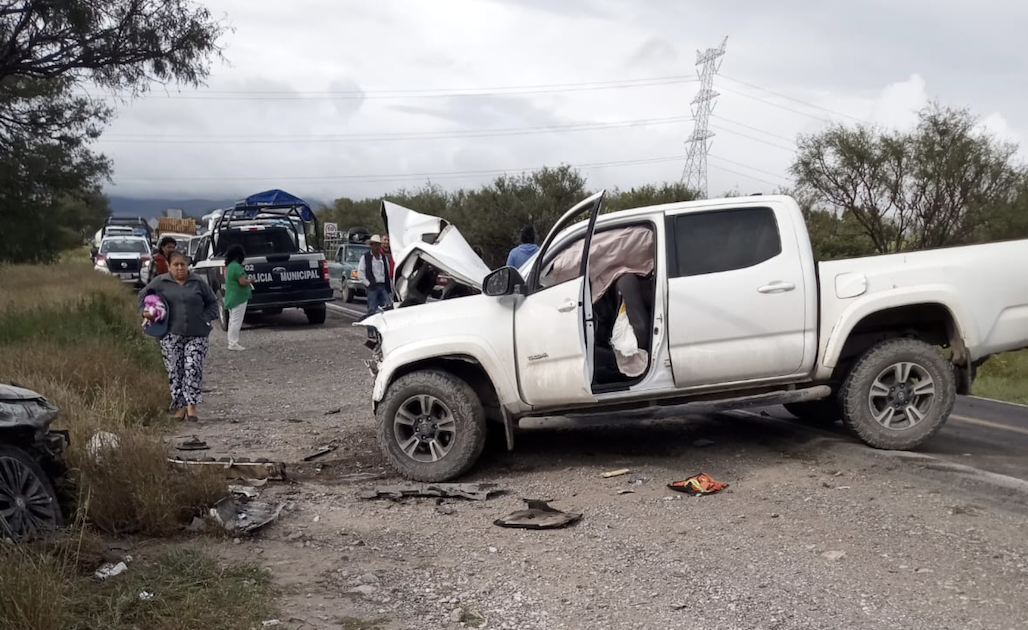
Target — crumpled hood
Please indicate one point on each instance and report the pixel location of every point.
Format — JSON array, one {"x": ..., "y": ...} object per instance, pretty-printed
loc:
[{"x": 413, "y": 235}]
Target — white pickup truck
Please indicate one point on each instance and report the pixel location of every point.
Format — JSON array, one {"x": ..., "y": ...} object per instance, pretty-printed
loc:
[{"x": 714, "y": 300}]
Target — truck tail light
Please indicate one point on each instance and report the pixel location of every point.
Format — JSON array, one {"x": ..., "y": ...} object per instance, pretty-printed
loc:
[{"x": 324, "y": 270}]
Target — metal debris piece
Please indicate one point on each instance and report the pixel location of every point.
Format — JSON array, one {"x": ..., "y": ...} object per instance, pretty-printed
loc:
[
  {"x": 110, "y": 570},
  {"x": 246, "y": 491},
  {"x": 615, "y": 473},
  {"x": 446, "y": 510},
  {"x": 626, "y": 491},
  {"x": 237, "y": 469},
  {"x": 473, "y": 491},
  {"x": 324, "y": 450},
  {"x": 244, "y": 516},
  {"x": 193, "y": 444},
  {"x": 332, "y": 412},
  {"x": 22, "y": 408},
  {"x": 539, "y": 515}
]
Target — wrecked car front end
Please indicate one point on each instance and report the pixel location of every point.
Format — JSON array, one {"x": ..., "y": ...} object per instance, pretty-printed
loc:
[{"x": 31, "y": 463}]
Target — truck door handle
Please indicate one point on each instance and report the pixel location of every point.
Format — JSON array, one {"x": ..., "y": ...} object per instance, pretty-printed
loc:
[
  {"x": 777, "y": 287},
  {"x": 570, "y": 305}
]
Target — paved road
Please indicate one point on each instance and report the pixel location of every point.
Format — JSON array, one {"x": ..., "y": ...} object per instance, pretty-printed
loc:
[{"x": 982, "y": 433}]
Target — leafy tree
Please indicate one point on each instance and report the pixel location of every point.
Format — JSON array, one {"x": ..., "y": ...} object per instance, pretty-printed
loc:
[
  {"x": 930, "y": 187},
  {"x": 48, "y": 50}
]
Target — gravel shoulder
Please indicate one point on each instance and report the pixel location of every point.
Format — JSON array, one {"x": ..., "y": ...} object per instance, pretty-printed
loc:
[{"x": 813, "y": 531}]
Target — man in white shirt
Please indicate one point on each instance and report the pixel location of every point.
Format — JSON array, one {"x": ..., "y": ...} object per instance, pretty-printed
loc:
[{"x": 373, "y": 273}]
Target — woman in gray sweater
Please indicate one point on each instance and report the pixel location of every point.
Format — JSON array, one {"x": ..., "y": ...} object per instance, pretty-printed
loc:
[{"x": 192, "y": 306}]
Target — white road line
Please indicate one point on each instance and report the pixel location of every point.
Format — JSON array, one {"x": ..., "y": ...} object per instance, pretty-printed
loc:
[
  {"x": 998, "y": 402},
  {"x": 987, "y": 423},
  {"x": 354, "y": 313}
]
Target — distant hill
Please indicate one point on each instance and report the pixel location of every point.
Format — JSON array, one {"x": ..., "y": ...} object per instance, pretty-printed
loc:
[{"x": 149, "y": 207}]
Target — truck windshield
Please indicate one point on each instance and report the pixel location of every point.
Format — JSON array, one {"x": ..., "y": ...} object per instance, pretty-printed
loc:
[
  {"x": 124, "y": 247},
  {"x": 259, "y": 242},
  {"x": 353, "y": 253}
]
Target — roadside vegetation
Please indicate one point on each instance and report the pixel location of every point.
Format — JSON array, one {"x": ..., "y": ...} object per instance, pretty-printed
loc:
[
  {"x": 1004, "y": 377},
  {"x": 74, "y": 336}
]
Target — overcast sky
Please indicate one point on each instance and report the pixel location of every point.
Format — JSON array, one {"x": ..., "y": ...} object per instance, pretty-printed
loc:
[{"x": 331, "y": 98}]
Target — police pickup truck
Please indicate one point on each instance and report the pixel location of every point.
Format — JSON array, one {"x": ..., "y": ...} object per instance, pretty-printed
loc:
[{"x": 285, "y": 273}]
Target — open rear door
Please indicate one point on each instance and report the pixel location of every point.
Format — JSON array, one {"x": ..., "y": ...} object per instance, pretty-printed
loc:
[{"x": 553, "y": 324}]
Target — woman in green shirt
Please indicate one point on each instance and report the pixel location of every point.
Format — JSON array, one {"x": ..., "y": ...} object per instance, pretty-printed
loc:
[{"x": 238, "y": 289}]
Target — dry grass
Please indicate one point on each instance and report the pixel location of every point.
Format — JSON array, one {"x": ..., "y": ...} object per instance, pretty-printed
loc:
[
  {"x": 49, "y": 588},
  {"x": 74, "y": 336}
]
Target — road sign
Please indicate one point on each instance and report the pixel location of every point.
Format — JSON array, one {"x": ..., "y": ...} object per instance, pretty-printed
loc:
[{"x": 331, "y": 228}]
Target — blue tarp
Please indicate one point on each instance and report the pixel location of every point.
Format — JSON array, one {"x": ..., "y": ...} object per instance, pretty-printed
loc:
[{"x": 276, "y": 199}]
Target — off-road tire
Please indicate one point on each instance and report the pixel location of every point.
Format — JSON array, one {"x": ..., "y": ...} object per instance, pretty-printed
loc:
[
  {"x": 19, "y": 458},
  {"x": 316, "y": 315},
  {"x": 467, "y": 410},
  {"x": 824, "y": 412},
  {"x": 856, "y": 412},
  {"x": 222, "y": 313}
]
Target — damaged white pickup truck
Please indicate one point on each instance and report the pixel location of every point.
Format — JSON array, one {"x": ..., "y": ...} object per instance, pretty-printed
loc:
[{"x": 715, "y": 300}]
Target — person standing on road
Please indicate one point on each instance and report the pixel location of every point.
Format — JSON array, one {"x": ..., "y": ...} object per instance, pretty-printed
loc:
[
  {"x": 159, "y": 264},
  {"x": 524, "y": 251},
  {"x": 238, "y": 291},
  {"x": 373, "y": 273},
  {"x": 192, "y": 306}
]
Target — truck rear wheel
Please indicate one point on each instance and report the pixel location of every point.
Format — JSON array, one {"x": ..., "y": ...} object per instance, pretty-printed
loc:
[
  {"x": 824, "y": 412},
  {"x": 347, "y": 294},
  {"x": 316, "y": 315},
  {"x": 899, "y": 394},
  {"x": 431, "y": 426}
]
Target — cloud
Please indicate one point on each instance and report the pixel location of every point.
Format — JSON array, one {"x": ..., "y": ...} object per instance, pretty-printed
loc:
[{"x": 334, "y": 97}]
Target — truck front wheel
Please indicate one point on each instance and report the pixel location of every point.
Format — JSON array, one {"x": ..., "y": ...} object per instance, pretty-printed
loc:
[
  {"x": 899, "y": 394},
  {"x": 431, "y": 426}
]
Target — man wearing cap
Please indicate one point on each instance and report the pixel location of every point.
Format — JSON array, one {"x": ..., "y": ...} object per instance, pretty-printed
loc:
[{"x": 373, "y": 273}]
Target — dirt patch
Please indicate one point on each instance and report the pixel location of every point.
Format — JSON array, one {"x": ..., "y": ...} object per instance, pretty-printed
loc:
[{"x": 808, "y": 534}]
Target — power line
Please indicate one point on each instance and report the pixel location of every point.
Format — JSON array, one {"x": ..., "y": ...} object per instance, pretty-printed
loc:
[
  {"x": 728, "y": 170},
  {"x": 407, "y": 176},
  {"x": 796, "y": 100},
  {"x": 779, "y": 105},
  {"x": 732, "y": 161},
  {"x": 757, "y": 129},
  {"x": 390, "y": 136},
  {"x": 755, "y": 139},
  {"x": 412, "y": 94}
]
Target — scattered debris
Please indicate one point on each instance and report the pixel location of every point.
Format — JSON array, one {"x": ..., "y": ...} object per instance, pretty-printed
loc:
[
  {"x": 244, "y": 516},
  {"x": 626, "y": 491},
  {"x": 246, "y": 491},
  {"x": 834, "y": 555},
  {"x": 698, "y": 485},
  {"x": 110, "y": 570},
  {"x": 332, "y": 412},
  {"x": 294, "y": 420},
  {"x": 145, "y": 596},
  {"x": 702, "y": 442},
  {"x": 324, "y": 450},
  {"x": 615, "y": 473},
  {"x": 100, "y": 442},
  {"x": 238, "y": 468},
  {"x": 539, "y": 515},
  {"x": 447, "y": 510},
  {"x": 473, "y": 491},
  {"x": 638, "y": 480},
  {"x": 271, "y": 622},
  {"x": 193, "y": 444}
]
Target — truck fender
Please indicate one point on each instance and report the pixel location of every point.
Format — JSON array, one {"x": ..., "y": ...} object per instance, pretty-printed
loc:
[
  {"x": 399, "y": 360},
  {"x": 861, "y": 308}
]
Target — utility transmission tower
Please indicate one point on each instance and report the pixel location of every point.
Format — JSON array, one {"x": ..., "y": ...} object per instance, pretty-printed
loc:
[{"x": 694, "y": 175}]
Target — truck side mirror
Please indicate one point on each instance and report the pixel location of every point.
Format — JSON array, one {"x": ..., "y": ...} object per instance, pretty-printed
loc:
[{"x": 503, "y": 281}]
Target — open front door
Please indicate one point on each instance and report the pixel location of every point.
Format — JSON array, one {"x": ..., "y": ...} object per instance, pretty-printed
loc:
[{"x": 553, "y": 323}]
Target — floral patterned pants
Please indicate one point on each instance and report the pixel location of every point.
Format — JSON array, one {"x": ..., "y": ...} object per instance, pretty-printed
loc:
[{"x": 184, "y": 358}]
